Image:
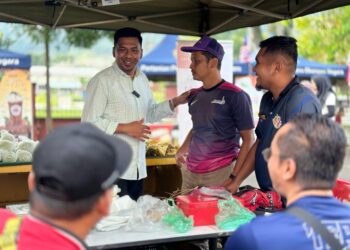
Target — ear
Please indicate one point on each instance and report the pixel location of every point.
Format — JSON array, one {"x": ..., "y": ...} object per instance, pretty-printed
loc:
[
  {"x": 278, "y": 66},
  {"x": 289, "y": 169},
  {"x": 104, "y": 202},
  {"x": 141, "y": 53},
  {"x": 213, "y": 62},
  {"x": 31, "y": 181}
]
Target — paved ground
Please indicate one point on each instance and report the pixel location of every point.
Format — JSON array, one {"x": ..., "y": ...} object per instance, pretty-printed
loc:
[{"x": 344, "y": 173}]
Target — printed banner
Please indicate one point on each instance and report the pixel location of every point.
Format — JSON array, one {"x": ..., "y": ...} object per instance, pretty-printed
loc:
[{"x": 16, "y": 102}]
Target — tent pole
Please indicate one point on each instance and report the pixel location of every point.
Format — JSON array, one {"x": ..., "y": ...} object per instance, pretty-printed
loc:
[{"x": 48, "y": 94}]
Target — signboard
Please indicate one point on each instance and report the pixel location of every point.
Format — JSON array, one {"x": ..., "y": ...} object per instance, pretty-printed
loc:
[{"x": 16, "y": 102}]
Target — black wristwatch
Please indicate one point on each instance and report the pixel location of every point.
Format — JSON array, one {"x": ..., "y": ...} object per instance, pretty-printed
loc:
[{"x": 232, "y": 176}]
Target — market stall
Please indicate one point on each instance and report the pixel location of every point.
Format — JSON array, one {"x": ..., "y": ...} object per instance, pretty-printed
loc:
[{"x": 164, "y": 177}]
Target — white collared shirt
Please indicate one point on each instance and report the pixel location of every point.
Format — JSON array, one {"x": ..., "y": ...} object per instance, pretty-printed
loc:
[{"x": 109, "y": 101}]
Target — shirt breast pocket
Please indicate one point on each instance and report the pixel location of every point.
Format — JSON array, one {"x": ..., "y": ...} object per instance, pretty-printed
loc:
[{"x": 116, "y": 109}]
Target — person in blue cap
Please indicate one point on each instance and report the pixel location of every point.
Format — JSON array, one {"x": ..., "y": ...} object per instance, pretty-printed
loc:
[{"x": 221, "y": 114}]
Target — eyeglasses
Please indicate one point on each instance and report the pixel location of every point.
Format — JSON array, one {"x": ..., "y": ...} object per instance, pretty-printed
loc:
[{"x": 266, "y": 153}]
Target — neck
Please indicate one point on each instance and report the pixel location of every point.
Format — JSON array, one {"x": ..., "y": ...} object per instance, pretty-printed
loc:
[
  {"x": 132, "y": 73},
  {"x": 298, "y": 195},
  {"x": 212, "y": 80},
  {"x": 279, "y": 86}
]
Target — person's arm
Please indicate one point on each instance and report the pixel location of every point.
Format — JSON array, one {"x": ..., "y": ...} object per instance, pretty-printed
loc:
[
  {"x": 246, "y": 169},
  {"x": 95, "y": 105},
  {"x": 247, "y": 142},
  {"x": 181, "y": 99},
  {"x": 135, "y": 129},
  {"x": 182, "y": 152},
  {"x": 158, "y": 111}
]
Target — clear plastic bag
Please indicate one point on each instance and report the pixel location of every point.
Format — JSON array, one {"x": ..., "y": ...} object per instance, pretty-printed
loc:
[
  {"x": 176, "y": 219},
  {"x": 147, "y": 215},
  {"x": 232, "y": 214}
]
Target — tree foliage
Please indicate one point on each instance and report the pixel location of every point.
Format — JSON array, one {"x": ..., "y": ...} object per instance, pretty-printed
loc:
[{"x": 325, "y": 37}]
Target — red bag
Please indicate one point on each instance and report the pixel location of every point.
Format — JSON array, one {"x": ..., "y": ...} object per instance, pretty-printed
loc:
[{"x": 253, "y": 199}]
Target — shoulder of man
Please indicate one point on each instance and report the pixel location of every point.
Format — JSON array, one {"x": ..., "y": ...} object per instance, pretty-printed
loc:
[
  {"x": 4, "y": 216},
  {"x": 301, "y": 100}
]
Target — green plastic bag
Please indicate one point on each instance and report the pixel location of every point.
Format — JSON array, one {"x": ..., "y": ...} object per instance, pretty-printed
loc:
[
  {"x": 176, "y": 219},
  {"x": 232, "y": 214}
]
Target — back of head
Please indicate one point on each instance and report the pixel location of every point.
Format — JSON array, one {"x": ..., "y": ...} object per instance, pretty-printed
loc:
[
  {"x": 127, "y": 32},
  {"x": 318, "y": 146},
  {"x": 74, "y": 164},
  {"x": 283, "y": 45}
]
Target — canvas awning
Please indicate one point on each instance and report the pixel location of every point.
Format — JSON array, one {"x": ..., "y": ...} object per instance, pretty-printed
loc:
[
  {"x": 186, "y": 17},
  {"x": 12, "y": 60},
  {"x": 161, "y": 61}
]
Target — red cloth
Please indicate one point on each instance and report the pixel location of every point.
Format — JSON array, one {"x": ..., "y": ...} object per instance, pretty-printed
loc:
[{"x": 36, "y": 234}]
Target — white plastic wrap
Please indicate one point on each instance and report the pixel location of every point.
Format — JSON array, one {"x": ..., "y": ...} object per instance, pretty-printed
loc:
[
  {"x": 5, "y": 135},
  {"x": 23, "y": 156},
  {"x": 120, "y": 213},
  {"x": 147, "y": 215},
  {"x": 8, "y": 156},
  {"x": 7, "y": 145},
  {"x": 26, "y": 145}
]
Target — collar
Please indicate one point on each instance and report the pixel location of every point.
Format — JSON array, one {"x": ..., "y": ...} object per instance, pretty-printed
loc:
[
  {"x": 215, "y": 86},
  {"x": 121, "y": 72},
  {"x": 65, "y": 233},
  {"x": 293, "y": 82}
]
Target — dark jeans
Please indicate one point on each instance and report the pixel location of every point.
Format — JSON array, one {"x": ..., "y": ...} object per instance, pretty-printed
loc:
[{"x": 133, "y": 188}]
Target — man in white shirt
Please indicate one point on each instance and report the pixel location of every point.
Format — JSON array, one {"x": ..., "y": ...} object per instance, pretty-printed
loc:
[{"x": 119, "y": 101}]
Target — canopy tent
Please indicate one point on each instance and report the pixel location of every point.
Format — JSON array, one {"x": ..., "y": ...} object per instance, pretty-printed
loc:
[
  {"x": 187, "y": 17},
  {"x": 12, "y": 60},
  {"x": 161, "y": 61}
]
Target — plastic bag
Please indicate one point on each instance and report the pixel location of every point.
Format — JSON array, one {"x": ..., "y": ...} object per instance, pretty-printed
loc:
[
  {"x": 212, "y": 192},
  {"x": 232, "y": 214},
  {"x": 176, "y": 219},
  {"x": 147, "y": 215}
]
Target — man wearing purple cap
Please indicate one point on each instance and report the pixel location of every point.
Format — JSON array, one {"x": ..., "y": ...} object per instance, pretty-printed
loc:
[{"x": 221, "y": 115}]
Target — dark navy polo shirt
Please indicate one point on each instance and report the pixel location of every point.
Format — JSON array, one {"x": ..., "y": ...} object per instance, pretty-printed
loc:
[{"x": 293, "y": 100}]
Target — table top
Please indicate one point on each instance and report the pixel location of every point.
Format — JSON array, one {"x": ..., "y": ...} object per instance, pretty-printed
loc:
[
  {"x": 121, "y": 238},
  {"x": 27, "y": 167}
]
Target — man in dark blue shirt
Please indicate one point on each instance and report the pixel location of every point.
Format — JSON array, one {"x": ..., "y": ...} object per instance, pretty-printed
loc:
[{"x": 285, "y": 98}]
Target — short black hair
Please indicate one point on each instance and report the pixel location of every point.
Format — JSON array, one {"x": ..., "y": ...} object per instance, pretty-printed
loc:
[
  {"x": 281, "y": 44},
  {"x": 318, "y": 146},
  {"x": 127, "y": 32}
]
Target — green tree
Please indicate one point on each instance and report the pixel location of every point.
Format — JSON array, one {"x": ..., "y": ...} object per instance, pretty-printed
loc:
[
  {"x": 325, "y": 36},
  {"x": 78, "y": 37}
]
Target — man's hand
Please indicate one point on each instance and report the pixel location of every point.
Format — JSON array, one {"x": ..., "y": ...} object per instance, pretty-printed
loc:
[
  {"x": 181, "y": 99},
  {"x": 180, "y": 157},
  {"x": 231, "y": 186},
  {"x": 136, "y": 129}
]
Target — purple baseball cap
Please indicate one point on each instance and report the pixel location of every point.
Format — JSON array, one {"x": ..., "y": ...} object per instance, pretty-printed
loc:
[{"x": 207, "y": 44}]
